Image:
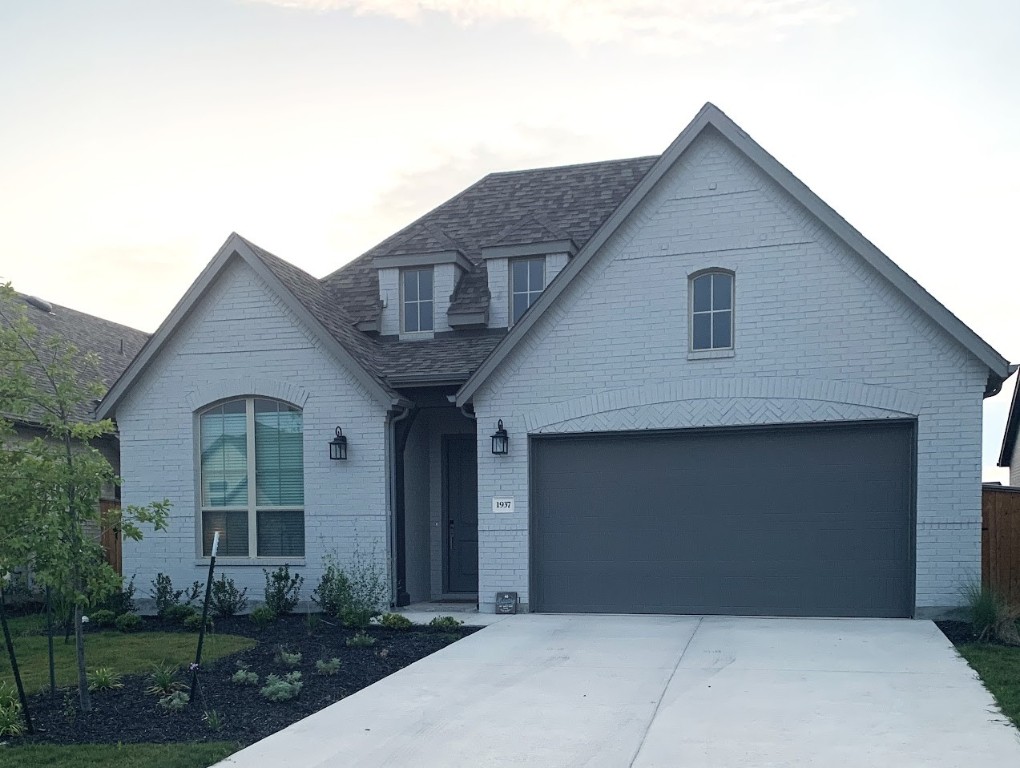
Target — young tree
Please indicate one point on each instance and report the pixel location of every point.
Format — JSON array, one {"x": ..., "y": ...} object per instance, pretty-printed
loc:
[{"x": 59, "y": 477}]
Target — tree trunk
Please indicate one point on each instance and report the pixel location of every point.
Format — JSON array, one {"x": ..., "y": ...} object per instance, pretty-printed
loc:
[{"x": 14, "y": 664}]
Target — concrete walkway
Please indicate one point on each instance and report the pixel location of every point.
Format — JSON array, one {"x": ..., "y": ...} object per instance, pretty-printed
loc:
[{"x": 619, "y": 691}]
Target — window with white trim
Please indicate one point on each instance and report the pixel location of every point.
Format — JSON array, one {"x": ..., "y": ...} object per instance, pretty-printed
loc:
[
  {"x": 251, "y": 478},
  {"x": 712, "y": 311},
  {"x": 527, "y": 281},
  {"x": 417, "y": 300}
]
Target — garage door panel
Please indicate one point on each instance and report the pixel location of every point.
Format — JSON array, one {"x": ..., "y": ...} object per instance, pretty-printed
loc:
[{"x": 805, "y": 521}]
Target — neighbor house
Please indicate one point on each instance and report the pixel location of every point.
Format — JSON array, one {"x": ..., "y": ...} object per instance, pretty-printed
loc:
[
  {"x": 677, "y": 384},
  {"x": 115, "y": 346},
  {"x": 1009, "y": 455}
]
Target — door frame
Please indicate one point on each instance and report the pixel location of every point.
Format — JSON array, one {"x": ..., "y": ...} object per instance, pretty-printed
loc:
[{"x": 447, "y": 439}]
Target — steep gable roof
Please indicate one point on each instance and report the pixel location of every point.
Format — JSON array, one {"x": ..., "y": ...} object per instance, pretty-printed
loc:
[
  {"x": 711, "y": 116},
  {"x": 1012, "y": 429}
]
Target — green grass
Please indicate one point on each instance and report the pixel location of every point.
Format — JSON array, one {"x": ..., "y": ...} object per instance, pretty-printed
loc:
[
  {"x": 116, "y": 755},
  {"x": 125, "y": 654},
  {"x": 999, "y": 668},
  {"x": 28, "y": 625}
]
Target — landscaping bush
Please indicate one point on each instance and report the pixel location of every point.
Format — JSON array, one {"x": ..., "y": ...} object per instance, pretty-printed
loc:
[
  {"x": 165, "y": 596},
  {"x": 11, "y": 722},
  {"x": 262, "y": 616},
  {"x": 354, "y": 594},
  {"x": 287, "y": 659},
  {"x": 194, "y": 622},
  {"x": 226, "y": 599},
  {"x": 360, "y": 640},
  {"x": 102, "y": 618},
  {"x": 129, "y": 622},
  {"x": 282, "y": 688},
  {"x": 330, "y": 667},
  {"x": 445, "y": 622},
  {"x": 244, "y": 677},
  {"x": 103, "y": 679},
  {"x": 395, "y": 621},
  {"x": 175, "y": 702},
  {"x": 122, "y": 600},
  {"x": 179, "y": 614},
  {"x": 282, "y": 590},
  {"x": 990, "y": 616},
  {"x": 164, "y": 680}
]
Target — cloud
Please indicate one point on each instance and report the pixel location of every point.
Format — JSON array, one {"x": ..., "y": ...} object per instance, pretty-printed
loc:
[{"x": 671, "y": 27}]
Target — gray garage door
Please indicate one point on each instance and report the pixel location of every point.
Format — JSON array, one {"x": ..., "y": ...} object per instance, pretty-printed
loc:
[{"x": 799, "y": 521}]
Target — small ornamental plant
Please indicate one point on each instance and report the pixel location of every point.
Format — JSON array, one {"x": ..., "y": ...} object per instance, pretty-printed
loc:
[
  {"x": 328, "y": 668},
  {"x": 282, "y": 590},
  {"x": 129, "y": 622},
  {"x": 213, "y": 720},
  {"x": 262, "y": 616},
  {"x": 445, "y": 623},
  {"x": 104, "y": 679},
  {"x": 226, "y": 599},
  {"x": 282, "y": 688},
  {"x": 395, "y": 621},
  {"x": 360, "y": 640},
  {"x": 175, "y": 702},
  {"x": 288, "y": 659},
  {"x": 103, "y": 618},
  {"x": 163, "y": 680}
]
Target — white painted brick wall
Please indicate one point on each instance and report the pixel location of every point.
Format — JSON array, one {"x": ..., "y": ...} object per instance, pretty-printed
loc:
[
  {"x": 499, "y": 292},
  {"x": 819, "y": 336},
  {"x": 242, "y": 340},
  {"x": 389, "y": 295}
]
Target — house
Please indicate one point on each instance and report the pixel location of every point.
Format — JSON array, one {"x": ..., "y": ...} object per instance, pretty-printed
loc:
[
  {"x": 1009, "y": 455},
  {"x": 115, "y": 346},
  {"x": 677, "y": 384}
]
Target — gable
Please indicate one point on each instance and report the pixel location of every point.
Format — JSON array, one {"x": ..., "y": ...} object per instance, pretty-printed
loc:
[{"x": 825, "y": 225}]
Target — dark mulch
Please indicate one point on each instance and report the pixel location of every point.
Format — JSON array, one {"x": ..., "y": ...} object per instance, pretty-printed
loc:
[
  {"x": 958, "y": 632},
  {"x": 128, "y": 715}
]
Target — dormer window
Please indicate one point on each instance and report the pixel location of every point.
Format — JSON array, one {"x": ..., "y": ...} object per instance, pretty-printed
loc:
[
  {"x": 527, "y": 281},
  {"x": 416, "y": 300}
]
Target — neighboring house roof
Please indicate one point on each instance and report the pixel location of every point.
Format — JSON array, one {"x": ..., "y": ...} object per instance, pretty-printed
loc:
[
  {"x": 114, "y": 344},
  {"x": 579, "y": 205},
  {"x": 1012, "y": 428},
  {"x": 711, "y": 116}
]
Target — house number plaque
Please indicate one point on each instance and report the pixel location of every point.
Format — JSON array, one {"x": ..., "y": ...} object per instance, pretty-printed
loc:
[{"x": 502, "y": 504}]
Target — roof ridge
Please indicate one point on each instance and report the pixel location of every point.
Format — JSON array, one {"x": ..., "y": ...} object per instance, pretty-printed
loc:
[{"x": 592, "y": 163}]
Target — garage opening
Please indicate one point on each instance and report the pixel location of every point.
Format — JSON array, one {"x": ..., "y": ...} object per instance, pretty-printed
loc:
[{"x": 786, "y": 521}]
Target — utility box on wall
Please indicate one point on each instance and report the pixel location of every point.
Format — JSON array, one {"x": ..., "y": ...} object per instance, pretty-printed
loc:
[{"x": 506, "y": 602}]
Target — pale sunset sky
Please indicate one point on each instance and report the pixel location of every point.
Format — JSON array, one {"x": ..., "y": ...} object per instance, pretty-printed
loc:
[{"x": 137, "y": 134}]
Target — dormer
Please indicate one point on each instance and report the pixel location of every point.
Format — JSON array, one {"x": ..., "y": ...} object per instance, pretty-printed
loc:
[
  {"x": 417, "y": 277},
  {"x": 520, "y": 263}
]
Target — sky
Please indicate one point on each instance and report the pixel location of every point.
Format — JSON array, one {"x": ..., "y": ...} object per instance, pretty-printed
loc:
[{"x": 135, "y": 135}]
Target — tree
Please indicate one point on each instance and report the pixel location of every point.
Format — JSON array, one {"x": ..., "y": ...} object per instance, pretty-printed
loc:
[{"x": 56, "y": 480}]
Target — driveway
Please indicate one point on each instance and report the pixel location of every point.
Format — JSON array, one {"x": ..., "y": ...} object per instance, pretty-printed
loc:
[{"x": 643, "y": 691}]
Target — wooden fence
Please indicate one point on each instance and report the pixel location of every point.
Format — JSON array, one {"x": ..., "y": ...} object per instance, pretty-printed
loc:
[{"x": 1000, "y": 541}]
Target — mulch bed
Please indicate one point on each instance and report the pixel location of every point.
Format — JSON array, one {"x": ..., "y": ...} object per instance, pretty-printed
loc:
[
  {"x": 128, "y": 715},
  {"x": 958, "y": 632}
]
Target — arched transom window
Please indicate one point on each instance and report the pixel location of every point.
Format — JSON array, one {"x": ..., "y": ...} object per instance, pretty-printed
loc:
[{"x": 252, "y": 478}]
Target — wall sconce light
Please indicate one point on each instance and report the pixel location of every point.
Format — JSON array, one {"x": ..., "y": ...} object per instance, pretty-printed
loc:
[
  {"x": 500, "y": 440},
  {"x": 338, "y": 446}
]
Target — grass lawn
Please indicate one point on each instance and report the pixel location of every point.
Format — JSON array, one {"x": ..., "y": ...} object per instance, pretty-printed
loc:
[
  {"x": 125, "y": 654},
  {"x": 116, "y": 756},
  {"x": 999, "y": 668}
]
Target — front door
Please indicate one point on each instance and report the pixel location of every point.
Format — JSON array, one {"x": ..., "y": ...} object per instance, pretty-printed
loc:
[{"x": 461, "y": 493}]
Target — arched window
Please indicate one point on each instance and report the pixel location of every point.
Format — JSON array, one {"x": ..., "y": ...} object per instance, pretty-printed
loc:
[
  {"x": 711, "y": 311},
  {"x": 251, "y": 478}
]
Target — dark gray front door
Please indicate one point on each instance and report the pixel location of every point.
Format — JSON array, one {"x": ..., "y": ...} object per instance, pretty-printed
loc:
[
  {"x": 805, "y": 521},
  {"x": 461, "y": 491}
]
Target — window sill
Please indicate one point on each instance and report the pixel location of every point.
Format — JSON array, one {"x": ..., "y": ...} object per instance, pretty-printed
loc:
[
  {"x": 417, "y": 335},
  {"x": 253, "y": 561},
  {"x": 711, "y": 354}
]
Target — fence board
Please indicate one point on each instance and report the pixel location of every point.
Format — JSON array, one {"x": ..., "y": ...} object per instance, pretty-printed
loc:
[{"x": 1000, "y": 541}]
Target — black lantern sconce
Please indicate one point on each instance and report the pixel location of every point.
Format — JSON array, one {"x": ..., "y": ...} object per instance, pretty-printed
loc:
[
  {"x": 338, "y": 446},
  {"x": 500, "y": 440}
]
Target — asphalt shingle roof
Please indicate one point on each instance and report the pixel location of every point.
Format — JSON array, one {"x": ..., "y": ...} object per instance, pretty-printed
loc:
[
  {"x": 116, "y": 345},
  {"x": 502, "y": 208}
]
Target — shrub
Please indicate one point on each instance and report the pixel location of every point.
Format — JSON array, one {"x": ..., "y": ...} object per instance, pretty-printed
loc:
[
  {"x": 396, "y": 621},
  {"x": 283, "y": 656},
  {"x": 360, "y": 640},
  {"x": 122, "y": 600},
  {"x": 333, "y": 590},
  {"x": 164, "y": 680},
  {"x": 165, "y": 596},
  {"x": 226, "y": 599},
  {"x": 445, "y": 622},
  {"x": 262, "y": 616},
  {"x": 330, "y": 667},
  {"x": 179, "y": 614},
  {"x": 991, "y": 617},
  {"x": 103, "y": 679},
  {"x": 355, "y": 594},
  {"x": 103, "y": 618},
  {"x": 282, "y": 590},
  {"x": 11, "y": 723},
  {"x": 213, "y": 720},
  {"x": 193, "y": 622},
  {"x": 129, "y": 622},
  {"x": 8, "y": 695},
  {"x": 175, "y": 702},
  {"x": 282, "y": 688},
  {"x": 244, "y": 677}
]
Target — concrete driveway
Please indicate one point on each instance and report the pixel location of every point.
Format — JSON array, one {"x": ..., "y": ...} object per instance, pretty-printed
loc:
[{"x": 646, "y": 691}]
